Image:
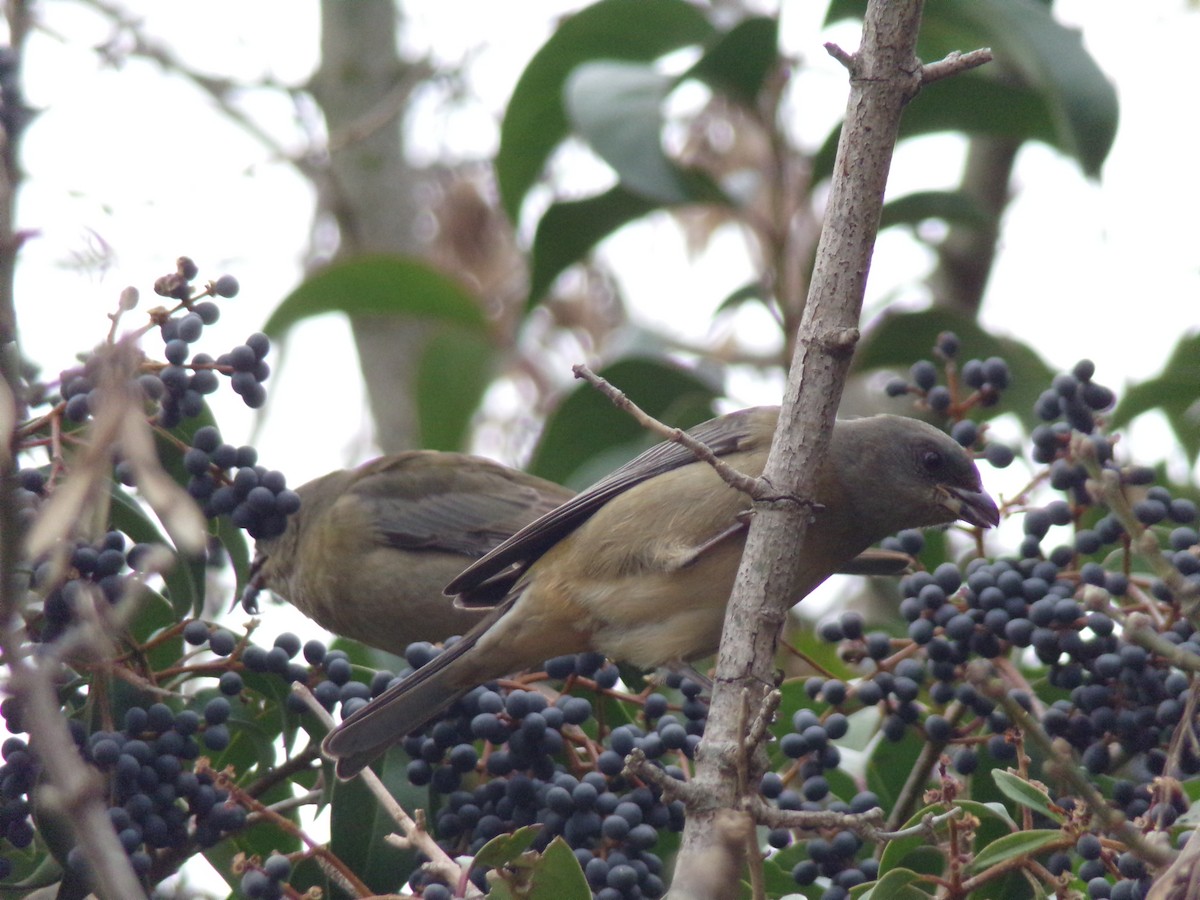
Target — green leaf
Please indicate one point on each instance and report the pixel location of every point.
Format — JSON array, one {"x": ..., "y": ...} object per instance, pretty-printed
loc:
[
  {"x": 586, "y": 436},
  {"x": 894, "y": 340},
  {"x": 569, "y": 230},
  {"x": 1025, "y": 794},
  {"x": 738, "y": 64},
  {"x": 456, "y": 368},
  {"x": 536, "y": 122},
  {"x": 185, "y": 579},
  {"x": 897, "y": 884},
  {"x": 1173, "y": 391},
  {"x": 1049, "y": 58},
  {"x": 954, "y": 207},
  {"x": 1039, "y": 57},
  {"x": 358, "y": 825},
  {"x": 377, "y": 285},
  {"x": 557, "y": 875},
  {"x": 1016, "y": 845},
  {"x": 504, "y": 849},
  {"x": 616, "y": 106},
  {"x": 890, "y": 764},
  {"x": 915, "y": 852},
  {"x": 753, "y": 291},
  {"x": 970, "y": 104}
]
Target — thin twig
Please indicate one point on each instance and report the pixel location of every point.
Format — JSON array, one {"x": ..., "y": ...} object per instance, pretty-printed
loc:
[
  {"x": 754, "y": 487},
  {"x": 414, "y": 835}
]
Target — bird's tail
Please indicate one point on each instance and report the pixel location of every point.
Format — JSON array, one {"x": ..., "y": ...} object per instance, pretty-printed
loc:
[{"x": 407, "y": 706}]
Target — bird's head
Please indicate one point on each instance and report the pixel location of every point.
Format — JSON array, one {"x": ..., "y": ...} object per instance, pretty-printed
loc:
[{"x": 903, "y": 473}]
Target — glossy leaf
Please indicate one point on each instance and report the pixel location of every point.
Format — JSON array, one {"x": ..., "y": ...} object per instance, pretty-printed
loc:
[
  {"x": 898, "y": 884},
  {"x": 456, "y": 368},
  {"x": 358, "y": 825},
  {"x": 587, "y": 428},
  {"x": 1020, "y": 844},
  {"x": 377, "y": 285},
  {"x": 738, "y": 64},
  {"x": 557, "y": 875},
  {"x": 536, "y": 122},
  {"x": 954, "y": 207},
  {"x": 1020, "y": 791},
  {"x": 1174, "y": 392},
  {"x": 969, "y": 104},
  {"x": 185, "y": 580},
  {"x": 569, "y": 230},
  {"x": 616, "y": 106},
  {"x": 1035, "y": 53},
  {"x": 506, "y": 848},
  {"x": 890, "y": 764}
]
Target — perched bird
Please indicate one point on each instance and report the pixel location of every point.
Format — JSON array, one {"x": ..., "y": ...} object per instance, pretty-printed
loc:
[
  {"x": 640, "y": 566},
  {"x": 371, "y": 549}
]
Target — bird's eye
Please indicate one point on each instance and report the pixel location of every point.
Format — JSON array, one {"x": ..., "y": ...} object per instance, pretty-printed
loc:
[{"x": 931, "y": 460}]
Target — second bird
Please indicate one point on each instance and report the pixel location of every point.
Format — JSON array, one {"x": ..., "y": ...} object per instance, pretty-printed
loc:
[
  {"x": 640, "y": 566},
  {"x": 371, "y": 548}
]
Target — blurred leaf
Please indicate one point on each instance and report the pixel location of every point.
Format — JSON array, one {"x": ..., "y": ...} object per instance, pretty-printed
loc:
[
  {"x": 777, "y": 879},
  {"x": 236, "y": 544},
  {"x": 377, "y": 285},
  {"x": 569, "y": 230},
  {"x": 456, "y": 368},
  {"x": 738, "y": 64},
  {"x": 970, "y": 104},
  {"x": 586, "y": 424},
  {"x": 890, "y": 765},
  {"x": 185, "y": 580},
  {"x": 1013, "y": 846},
  {"x": 1025, "y": 794},
  {"x": 894, "y": 340},
  {"x": 616, "y": 106},
  {"x": 747, "y": 292},
  {"x": 1051, "y": 59},
  {"x": 1174, "y": 392},
  {"x": 1041, "y": 55},
  {"x": 358, "y": 825},
  {"x": 954, "y": 207},
  {"x": 32, "y": 868},
  {"x": 536, "y": 122}
]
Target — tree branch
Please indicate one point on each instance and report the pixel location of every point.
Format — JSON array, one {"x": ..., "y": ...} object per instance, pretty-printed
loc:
[{"x": 884, "y": 75}]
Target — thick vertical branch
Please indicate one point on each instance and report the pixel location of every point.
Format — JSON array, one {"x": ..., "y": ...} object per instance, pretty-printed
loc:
[
  {"x": 371, "y": 191},
  {"x": 884, "y": 75}
]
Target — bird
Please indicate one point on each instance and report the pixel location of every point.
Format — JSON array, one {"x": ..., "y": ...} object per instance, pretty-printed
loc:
[
  {"x": 640, "y": 566},
  {"x": 370, "y": 549}
]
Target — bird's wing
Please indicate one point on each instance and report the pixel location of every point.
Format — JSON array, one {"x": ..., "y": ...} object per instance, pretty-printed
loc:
[
  {"x": 723, "y": 435},
  {"x": 416, "y": 512}
]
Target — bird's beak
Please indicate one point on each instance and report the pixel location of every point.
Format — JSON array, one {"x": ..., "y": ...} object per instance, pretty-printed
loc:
[
  {"x": 254, "y": 584},
  {"x": 975, "y": 507}
]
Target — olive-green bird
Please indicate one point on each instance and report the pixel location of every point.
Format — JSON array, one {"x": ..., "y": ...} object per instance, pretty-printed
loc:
[
  {"x": 371, "y": 549},
  {"x": 640, "y": 566}
]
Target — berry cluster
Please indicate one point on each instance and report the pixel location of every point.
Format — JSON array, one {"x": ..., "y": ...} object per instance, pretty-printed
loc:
[
  {"x": 1121, "y": 698},
  {"x": 226, "y": 480},
  {"x": 162, "y": 801},
  {"x": 986, "y": 380},
  {"x": 97, "y": 572},
  {"x": 530, "y": 759},
  {"x": 265, "y": 882}
]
